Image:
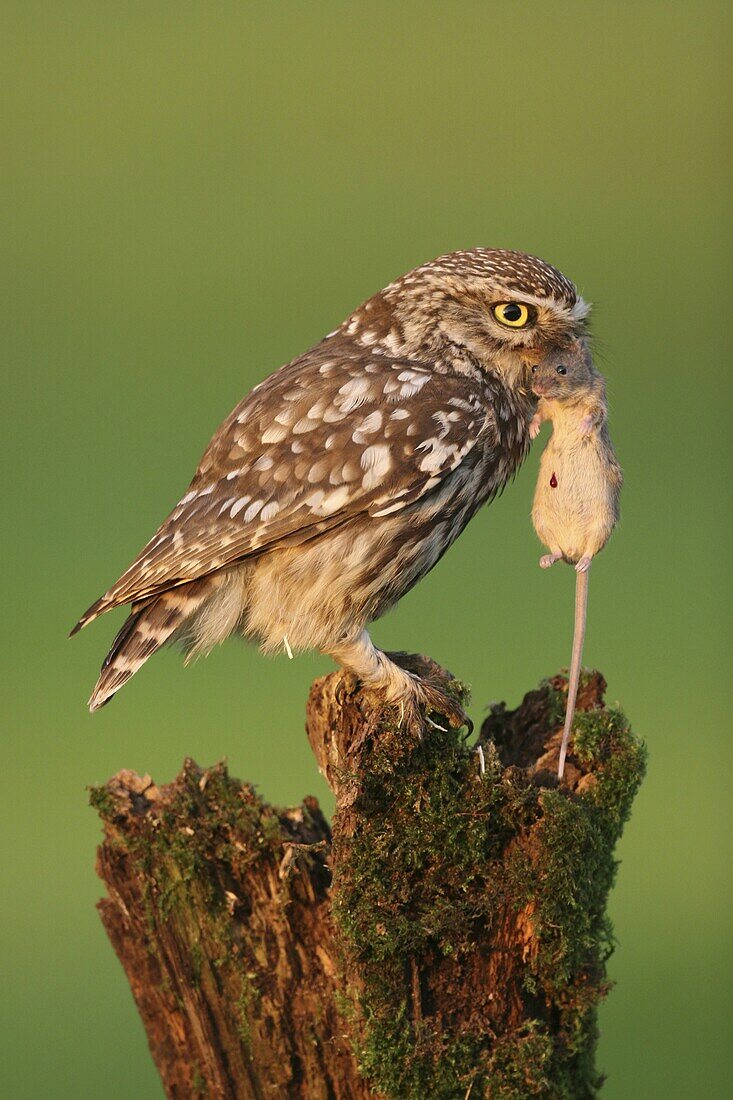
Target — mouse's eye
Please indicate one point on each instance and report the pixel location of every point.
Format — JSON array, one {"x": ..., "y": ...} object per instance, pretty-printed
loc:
[
  {"x": 562, "y": 370},
  {"x": 512, "y": 314},
  {"x": 534, "y": 369}
]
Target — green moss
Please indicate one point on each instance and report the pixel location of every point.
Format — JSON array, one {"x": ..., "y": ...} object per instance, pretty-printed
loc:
[
  {"x": 555, "y": 701},
  {"x": 103, "y": 801},
  {"x": 398, "y": 1066},
  {"x": 193, "y": 845},
  {"x": 212, "y": 819},
  {"x": 519, "y": 1065},
  {"x": 245, "y": 1005},
  {"x": 603, "y": 740},
  {"x": 433, "y": 863}
]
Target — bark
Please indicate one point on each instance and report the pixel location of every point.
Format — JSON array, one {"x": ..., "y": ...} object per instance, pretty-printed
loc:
[{"x": 449, "y": 939}]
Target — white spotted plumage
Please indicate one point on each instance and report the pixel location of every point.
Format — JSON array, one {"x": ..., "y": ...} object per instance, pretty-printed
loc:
[{"x": 342, "y": 478}]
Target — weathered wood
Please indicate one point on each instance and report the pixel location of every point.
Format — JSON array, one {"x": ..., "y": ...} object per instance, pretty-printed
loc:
[{"x": 448, "y": 940}]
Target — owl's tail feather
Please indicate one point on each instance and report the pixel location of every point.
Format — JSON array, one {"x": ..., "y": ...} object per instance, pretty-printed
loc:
[
  {"x": 98, "y": 608},
  {"x": 149, "y": 626}
]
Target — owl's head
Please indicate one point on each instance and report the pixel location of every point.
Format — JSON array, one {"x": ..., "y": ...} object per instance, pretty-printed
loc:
[{"x": 504, "y": 309}]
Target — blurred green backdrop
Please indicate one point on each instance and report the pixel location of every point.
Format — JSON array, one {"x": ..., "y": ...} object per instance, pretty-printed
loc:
[{"x": 196, "y": 192}]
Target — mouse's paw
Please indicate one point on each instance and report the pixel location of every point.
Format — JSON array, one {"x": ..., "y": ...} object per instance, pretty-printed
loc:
[
  {"x": 583, "y": 565},
  {"x": 549, "y": 559}
]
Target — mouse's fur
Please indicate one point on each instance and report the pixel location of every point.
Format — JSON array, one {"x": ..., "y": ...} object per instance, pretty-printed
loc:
[
  {"x": 575, "y": 517},
  {"x": 576, "y": 503}
]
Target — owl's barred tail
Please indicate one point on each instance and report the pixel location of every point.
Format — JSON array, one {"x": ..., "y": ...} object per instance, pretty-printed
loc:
[{"x": 146, "y": 629}]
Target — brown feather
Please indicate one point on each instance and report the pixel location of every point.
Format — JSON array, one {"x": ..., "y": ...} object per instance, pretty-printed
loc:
[
  {"x": 144, "y": 631},
  {"x": 340, "y": 480}
]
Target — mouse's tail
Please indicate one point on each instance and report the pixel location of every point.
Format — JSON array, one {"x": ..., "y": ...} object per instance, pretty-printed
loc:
[{"x": 581, "y": 609}]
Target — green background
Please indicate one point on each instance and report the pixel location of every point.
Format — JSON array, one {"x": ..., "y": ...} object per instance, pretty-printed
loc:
[{"x": 196, "y": 192}]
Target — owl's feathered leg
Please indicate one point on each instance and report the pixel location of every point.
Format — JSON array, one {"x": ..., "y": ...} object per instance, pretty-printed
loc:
[
  {"x": 146, "y": 629},
  {"x": 413, "y": 694}
]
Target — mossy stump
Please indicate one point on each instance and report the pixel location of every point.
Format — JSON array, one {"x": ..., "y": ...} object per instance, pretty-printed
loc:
[{"x": 448, "y": 941}]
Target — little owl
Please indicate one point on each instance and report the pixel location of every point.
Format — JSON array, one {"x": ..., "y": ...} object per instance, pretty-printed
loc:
[{"x": 341, "y": 479}]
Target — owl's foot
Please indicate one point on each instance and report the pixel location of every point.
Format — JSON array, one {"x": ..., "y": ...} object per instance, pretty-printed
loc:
[
  {"x": 429, "y": 706},
  {"x": 428, "y": 699},
  {"x": 441, "y": 704},
  {"x": 418, "y": 688}
]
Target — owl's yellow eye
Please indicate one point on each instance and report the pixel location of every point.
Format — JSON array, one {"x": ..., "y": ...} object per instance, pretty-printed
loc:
[{"x": 511, "y": 314}]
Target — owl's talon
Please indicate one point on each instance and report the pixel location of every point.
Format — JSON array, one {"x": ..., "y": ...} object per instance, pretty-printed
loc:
[
  {"x": 435, "y": 698},
  {"x": 415, "y": 712},
  {"x": 410, "y": 718}
]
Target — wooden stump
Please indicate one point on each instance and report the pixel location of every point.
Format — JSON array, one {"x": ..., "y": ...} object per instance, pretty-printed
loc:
[{"x": 449, "y": 940}]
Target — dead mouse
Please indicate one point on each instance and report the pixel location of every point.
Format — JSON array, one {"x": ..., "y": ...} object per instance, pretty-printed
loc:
[{"x": 576, "y": 503}]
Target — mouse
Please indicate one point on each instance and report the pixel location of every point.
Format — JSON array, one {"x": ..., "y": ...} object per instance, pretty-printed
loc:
[{"x": 576, "y": 502}]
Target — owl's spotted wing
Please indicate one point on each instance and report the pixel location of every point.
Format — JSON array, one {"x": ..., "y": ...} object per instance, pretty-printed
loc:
[{"x": 328, "y": 436}]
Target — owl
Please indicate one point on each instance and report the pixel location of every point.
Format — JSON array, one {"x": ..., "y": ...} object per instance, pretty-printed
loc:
[{"x": 341, "y": 479}]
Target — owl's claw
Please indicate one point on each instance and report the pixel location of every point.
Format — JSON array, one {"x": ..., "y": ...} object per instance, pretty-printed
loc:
[
  {"x": 436, "y": 700},
  {"x": 427, "y": 705},
  {"x": 417, "y": 688}
]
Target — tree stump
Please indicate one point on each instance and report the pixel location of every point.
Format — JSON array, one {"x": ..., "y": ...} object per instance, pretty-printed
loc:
[{"x": 447, "y": 941}]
